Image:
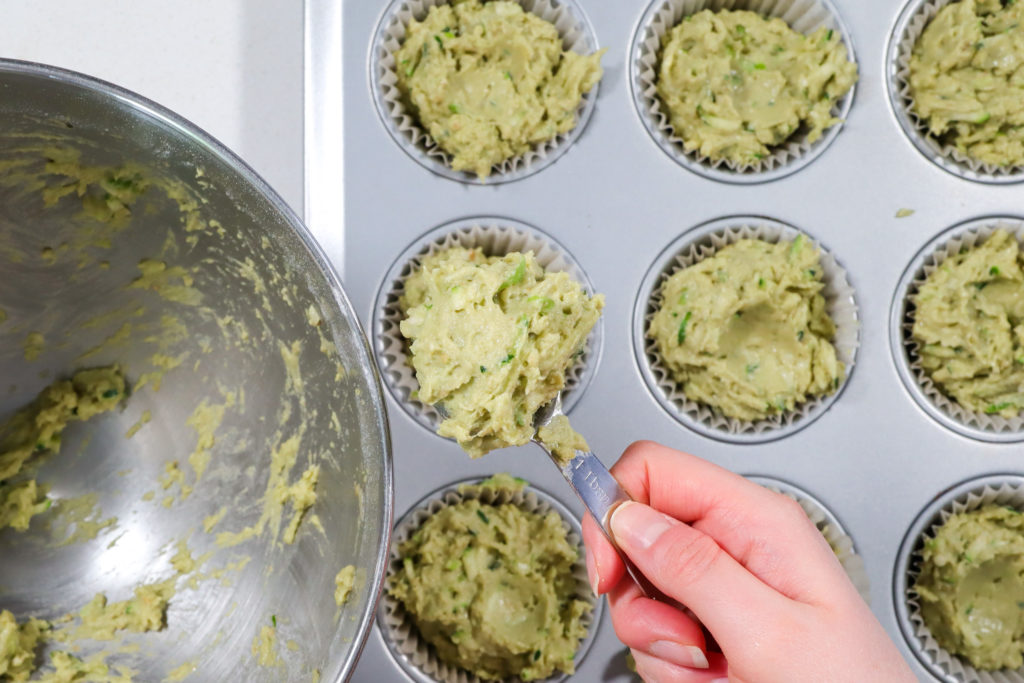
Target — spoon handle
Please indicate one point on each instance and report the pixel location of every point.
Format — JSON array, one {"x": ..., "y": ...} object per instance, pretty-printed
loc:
[{"x": 600, "y": 494}]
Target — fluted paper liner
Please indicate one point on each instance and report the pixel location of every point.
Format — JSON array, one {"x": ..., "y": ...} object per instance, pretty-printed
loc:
[
  {"x": 957, "y": 668},
  {"x": 804, "y": 16},
  {"x": 496, "y": 237},
  {"x": 839, "y": 301},
  {"x": 403, "y": 123},
  {"x": 830, "y": 528},
  {"x": 398, "y": 626},
  {"x": 923, "y": 11},
  {"x": 970, "y": 236}
]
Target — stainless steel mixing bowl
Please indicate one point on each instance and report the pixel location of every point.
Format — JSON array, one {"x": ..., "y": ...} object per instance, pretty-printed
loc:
[{"x": 270, "y": 336}]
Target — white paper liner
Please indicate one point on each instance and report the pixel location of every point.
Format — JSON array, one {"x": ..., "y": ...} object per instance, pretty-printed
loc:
[
  {"x": 398, "y": 625},
  {"x": 496, "y": 237},
  {"x": 972, "y": 235},
  {"x": 840, "y": 303},
  {"x": 923, "y": 11},
  {"x": 403, "y": 124},
  {"x": 956, "y": 668},
  {"x": 830, "y": 528},
  {"x": 804, "y": 16}
]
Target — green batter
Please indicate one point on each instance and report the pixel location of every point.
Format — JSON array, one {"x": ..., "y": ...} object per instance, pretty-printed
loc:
[
  {"x": 344, "y": 582},
  {"x": 746, "y": 332},
  {"x": 37, "y": 429},
  {"x": 735, "y": 83},
  {"x": 968, "y": 324},
  {"x": 491, "y": 340},
  {"x": 972, "y": 586},
  {"x": 561, "y": 439},
  {"x": 490, "y": 80},
  {"x": 967, "y": 80},
  {"x": 98, "y": 620},
  {"x": 492, "y": 588},
  {"x": 18, "y": 644}
]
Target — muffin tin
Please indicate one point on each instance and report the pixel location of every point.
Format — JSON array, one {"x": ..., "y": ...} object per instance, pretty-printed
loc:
[{"x": 875, "y": 457}]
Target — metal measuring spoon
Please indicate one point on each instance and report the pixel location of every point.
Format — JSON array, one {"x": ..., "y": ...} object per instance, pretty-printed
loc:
[
  {"x": 595, "y": 486},
  {"x": 593, "y": 483}
]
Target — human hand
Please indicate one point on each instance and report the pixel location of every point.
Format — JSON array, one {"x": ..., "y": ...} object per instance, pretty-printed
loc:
[{"x": 749, "y": 564}]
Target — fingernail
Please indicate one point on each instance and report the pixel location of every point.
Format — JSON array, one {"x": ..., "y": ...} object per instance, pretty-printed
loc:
[
  {"x": 592, "y": 575},
  {"x": 637, "y": 526},
  {"x": 684, "y": 655}
]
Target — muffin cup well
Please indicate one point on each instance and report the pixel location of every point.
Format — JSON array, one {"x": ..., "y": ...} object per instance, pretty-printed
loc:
[
  {"x": 804, "y": 16},
  {"x": 912, "y": 21},
  {"x": 403, "y": 125},
  {"x": 696, "y": 245},
  {"x": 831, "y": 529},
  {"x": 413, "y": 654},
  {"x": 497, "y": 237},
  {"x": 999, "y": 489},
  {"x": 924, "y": 391}
]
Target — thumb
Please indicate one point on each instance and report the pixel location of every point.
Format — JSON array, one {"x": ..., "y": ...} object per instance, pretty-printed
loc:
[{"x": 689, "y": 566}]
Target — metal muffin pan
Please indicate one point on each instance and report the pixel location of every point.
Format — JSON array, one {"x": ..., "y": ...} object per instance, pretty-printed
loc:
[{"x": 614, "y": 200}]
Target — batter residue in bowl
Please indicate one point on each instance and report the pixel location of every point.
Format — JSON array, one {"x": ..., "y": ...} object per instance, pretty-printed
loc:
[
  {"x": 163, "y": 306},
  {"x": 37, "y": 428}
]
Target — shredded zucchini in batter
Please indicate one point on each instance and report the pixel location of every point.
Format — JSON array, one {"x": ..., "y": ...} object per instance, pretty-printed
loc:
[
  {"x": 969, "y": 322},
  {"x": 967, "y": 80},
  {"x": 490, "y": 80},
  {"x": 746, "y": 331},
  {"x": 735, "y": 83},
  {"x": 492, "y": 338}
]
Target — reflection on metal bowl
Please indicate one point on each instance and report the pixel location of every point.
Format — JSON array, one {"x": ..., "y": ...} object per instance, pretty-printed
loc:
[{"x": 131, "y": 238}]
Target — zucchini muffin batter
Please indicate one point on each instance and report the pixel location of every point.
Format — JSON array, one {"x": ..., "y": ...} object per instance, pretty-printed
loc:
[
  {"x": 491, "y": 340},
  {"x": 490, "y": 80},
  {"x": 971, "y": 586},
  {"x": 492, "y": 588},
  {"x": 968, "y": 324},
  {"x": 967, "y": 82},
  {"x": 746, "y": 332},
  {"x": 37, "y": 428},
  {"x": 735, "y": 83}
]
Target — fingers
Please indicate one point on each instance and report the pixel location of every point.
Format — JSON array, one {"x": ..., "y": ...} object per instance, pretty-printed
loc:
[
  {"x": 765, "y": 532},
  {"x": 604, "y": 567},
  {"x": 656, "y": 627},
  {"x": 690, "y": 567},
  {"x": 657, "y": 670}
]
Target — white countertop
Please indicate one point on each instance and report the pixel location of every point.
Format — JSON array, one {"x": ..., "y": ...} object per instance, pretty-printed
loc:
[{"x": 232, "y": 67}]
